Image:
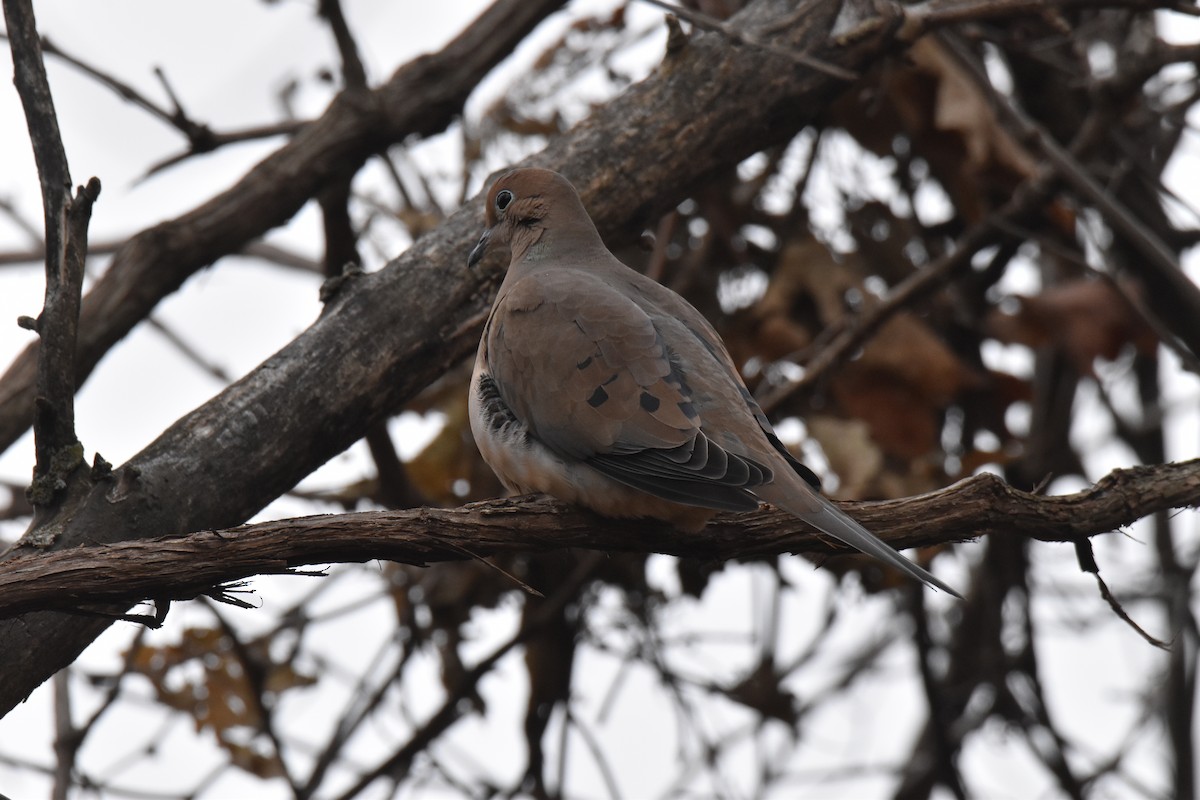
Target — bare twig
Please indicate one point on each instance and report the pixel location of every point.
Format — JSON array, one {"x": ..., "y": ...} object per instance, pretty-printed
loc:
[
  {"x": 921, "y": 18},
  {"x": 27, "y": 227},
  {"x": 66, "y": 737},
  {"x": 66, "y": 220},
  {"x": 452, "y": 708},
  {"x": 353, "y": 72},
  {"x": 189, "y": 352},
  {"x": 258, "y": 248},
  {"x": 735, "y": 34},
  {"x": 201, "y": 138},
  {"x": 1159, "y": 265}
]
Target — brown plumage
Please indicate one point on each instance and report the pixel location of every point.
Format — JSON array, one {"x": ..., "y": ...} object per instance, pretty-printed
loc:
[{"x": 599, "y": 386}]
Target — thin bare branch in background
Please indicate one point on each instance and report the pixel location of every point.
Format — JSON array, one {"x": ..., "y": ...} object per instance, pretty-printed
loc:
[{"x": 59, "y": 453}]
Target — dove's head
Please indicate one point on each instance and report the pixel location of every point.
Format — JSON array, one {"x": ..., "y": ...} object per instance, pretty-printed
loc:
[{"x": 528, "y": 208}]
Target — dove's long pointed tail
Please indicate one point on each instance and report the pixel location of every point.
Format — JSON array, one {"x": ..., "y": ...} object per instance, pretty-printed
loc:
[{"x": 825, "y": 516}]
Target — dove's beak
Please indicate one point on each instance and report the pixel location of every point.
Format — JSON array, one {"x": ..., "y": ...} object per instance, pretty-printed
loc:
[{"x": 478, "y": 251}]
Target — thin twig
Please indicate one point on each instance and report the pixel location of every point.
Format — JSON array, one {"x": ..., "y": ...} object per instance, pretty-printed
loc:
[
  {"x": 353, "y": 72},
  {"x": 702, "y": 20},
  {"x": 1158, "y": 261},
  {"x": 258, "y": 249},
  {"x": 201, "y": 138},
  {"x": 58, "y": 452},
  {"x": 452, "y": 708},
  {"x": 921, "y": 18}
]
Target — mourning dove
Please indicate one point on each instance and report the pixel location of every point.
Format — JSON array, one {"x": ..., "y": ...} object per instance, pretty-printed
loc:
[{"x": 601, "y": 387}]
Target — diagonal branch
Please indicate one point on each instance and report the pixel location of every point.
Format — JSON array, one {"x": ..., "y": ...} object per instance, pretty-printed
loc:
[{"x": 1177, "y": 297}]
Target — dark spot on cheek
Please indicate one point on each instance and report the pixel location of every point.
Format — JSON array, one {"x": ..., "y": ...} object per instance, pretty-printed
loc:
[
  {"x": 598, "y": 398},
  {"x": 649, "y": 402}
]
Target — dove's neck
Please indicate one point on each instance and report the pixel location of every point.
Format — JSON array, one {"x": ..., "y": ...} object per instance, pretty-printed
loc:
[{"x": 559, "y": 243}]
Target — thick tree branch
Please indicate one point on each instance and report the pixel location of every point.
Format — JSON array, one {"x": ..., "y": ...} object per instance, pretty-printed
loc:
[{"x": 188, "y": 566}]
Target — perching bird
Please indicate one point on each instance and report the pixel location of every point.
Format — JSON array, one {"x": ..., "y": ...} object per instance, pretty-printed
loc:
[{"x": 601, "y": 387}]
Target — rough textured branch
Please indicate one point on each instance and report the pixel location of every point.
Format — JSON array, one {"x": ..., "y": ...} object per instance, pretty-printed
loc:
[
  {"x": 66, "y": 224},
  {"x": 184, "y": 567}
]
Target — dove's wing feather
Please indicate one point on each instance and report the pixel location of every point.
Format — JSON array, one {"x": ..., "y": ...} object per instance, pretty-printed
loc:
[{"x": 589, "y": 374}]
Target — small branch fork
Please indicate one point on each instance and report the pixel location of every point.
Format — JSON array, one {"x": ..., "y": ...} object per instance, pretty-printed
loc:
[{"x": 58, "y": 451}]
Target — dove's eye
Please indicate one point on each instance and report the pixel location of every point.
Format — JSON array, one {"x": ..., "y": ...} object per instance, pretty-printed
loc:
[{"x": 503, "y": 198}]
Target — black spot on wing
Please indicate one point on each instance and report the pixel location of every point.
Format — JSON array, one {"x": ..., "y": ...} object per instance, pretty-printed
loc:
[
  {"x": 674, "y": 375},
  {"x": 582, "y": 365},
  {"x": 675, "y": 378},
  {"x": 649, "y": 402},
  {"x": 598, "y": 398}
]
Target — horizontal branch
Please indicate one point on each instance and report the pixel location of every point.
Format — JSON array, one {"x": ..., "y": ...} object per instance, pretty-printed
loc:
[{"x": 187, "y": 566}]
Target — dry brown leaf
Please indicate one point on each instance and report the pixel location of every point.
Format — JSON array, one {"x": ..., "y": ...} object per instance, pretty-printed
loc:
[
  {"x": 908, "y": 349},
  {"x": 771, "y": 328},
  {"x": 961, "y": 107},
  {"x": 1086, "y": 319},
  {"x": 221, "y": 697},
  {"x": 949, "y": 122},
  {"x": 852, "y": 454},
  {"x": 903, "y": 421}
]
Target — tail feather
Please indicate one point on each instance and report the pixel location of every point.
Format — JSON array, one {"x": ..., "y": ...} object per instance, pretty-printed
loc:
[{"x": 828, "y": 518}]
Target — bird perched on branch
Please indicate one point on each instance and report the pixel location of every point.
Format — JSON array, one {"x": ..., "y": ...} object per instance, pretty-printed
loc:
[{"x": 601, "y": 387}]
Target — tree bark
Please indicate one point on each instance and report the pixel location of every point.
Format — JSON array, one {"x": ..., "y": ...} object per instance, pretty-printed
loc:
[{"x": 183, "y": 567}]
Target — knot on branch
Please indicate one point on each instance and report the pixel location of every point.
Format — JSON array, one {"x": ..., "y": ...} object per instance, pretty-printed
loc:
[{"x": 47, "y": 485}]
